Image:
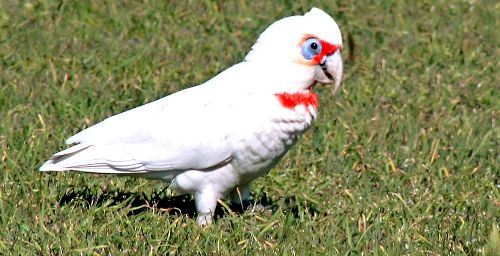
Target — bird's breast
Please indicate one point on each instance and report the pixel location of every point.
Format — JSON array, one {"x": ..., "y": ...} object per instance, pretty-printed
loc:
[{"x": 270, "y": 131}]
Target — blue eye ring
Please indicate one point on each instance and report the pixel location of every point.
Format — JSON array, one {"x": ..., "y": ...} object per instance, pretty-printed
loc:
[{"x": 311, "y": 48}]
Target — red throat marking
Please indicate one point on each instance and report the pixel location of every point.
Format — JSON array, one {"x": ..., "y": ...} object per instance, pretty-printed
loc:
[{"x": 291, "y": 100}]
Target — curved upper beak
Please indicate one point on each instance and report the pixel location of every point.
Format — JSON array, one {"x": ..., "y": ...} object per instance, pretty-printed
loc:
[{"x": 330, "y": 71}]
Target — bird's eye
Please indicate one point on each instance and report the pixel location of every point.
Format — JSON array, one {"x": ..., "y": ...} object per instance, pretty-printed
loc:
[{"x": 311, "y": 48}]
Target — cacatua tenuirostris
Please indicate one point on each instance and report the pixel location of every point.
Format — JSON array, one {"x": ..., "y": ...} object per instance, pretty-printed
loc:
[{"x": 214, "y": 139}]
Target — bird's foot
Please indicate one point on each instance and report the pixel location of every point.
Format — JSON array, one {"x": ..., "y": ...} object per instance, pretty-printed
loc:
[{"x": 248, "y": 205}]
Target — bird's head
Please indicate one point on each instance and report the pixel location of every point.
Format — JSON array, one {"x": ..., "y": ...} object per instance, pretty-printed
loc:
[{"x": 311, "y": 42}]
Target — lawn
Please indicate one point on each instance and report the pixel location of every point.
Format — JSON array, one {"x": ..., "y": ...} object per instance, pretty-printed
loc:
[{"x": 404, "y": 161}]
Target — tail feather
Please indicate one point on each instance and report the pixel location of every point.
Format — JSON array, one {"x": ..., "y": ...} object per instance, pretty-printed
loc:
[
  {"x": 72, "y": 150},
  {"x": 89, "y": 158},
  {"x": 52, "y": 163}
]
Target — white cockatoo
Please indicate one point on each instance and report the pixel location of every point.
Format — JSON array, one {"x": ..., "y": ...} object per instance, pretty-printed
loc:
[{"x": 214, "y": 139}]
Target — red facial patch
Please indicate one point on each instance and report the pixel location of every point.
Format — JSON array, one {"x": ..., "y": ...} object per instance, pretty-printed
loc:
[
  {"x": 291, "y": 100},
  {"x": 326, "y": 49}
]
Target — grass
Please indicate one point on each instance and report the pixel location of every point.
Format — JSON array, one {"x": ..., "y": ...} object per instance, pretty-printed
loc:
[{"x": 404, "y": 162}]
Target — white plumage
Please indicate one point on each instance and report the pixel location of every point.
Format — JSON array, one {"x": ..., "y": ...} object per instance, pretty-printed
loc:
[{"x": 215, "y": 138}]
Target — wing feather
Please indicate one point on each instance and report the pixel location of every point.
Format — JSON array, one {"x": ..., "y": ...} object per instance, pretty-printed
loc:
[{"x": 180, "y": 132}]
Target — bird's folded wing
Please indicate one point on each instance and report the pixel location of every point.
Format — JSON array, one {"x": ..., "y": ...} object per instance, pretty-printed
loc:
[
  {"x": 135, "y": 158},
  {"x": 167, "y": 134}
]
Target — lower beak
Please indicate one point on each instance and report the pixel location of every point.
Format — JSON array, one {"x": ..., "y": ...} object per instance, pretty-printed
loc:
[{"x": 330, "y": 71}]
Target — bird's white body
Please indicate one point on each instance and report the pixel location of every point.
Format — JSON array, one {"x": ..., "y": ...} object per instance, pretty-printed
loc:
[{"x": 208, "y": 140}]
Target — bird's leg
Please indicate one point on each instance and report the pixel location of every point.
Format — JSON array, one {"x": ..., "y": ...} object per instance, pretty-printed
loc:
[
  {"x": 206, "y": 201},
  {"x": 240, "y": 196}
]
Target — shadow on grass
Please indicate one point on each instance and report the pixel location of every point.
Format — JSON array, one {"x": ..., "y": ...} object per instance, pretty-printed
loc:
[{"x": 176, "y": 205}]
